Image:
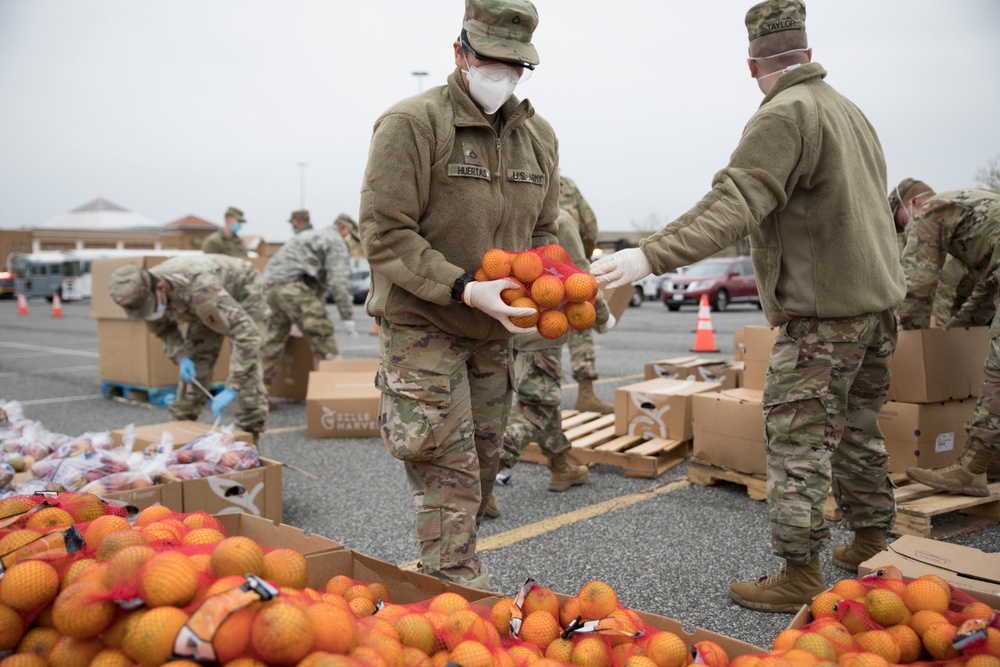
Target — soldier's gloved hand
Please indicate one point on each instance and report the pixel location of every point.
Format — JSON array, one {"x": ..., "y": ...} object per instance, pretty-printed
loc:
[
  {"x": 350, "y": 328},
  {"x": 607, "y": 326},
  {"x": 221, "y": 400},
  {"x": 188, "y": 371},
  {"x": 485, "y": 296},
  {"x": 621, "y": 268}
]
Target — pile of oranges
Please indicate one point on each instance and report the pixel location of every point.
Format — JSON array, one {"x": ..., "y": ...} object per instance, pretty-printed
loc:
[
  {"x": 545, "y": 280},
  {"x": 885, "y": 620}
]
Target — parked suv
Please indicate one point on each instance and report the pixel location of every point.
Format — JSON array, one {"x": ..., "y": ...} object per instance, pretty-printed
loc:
[{"x": 724, "y": 280}]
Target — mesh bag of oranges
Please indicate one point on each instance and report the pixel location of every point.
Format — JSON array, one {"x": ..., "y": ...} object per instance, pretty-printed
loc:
[
  {"x": 882, "y": 619},
  {"x": 547, "y": 281}
]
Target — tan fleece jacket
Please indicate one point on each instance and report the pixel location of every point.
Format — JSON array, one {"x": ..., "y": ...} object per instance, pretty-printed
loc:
[
  {"x": 440, "y": 189},
  {"x": 807, "y": 183}
]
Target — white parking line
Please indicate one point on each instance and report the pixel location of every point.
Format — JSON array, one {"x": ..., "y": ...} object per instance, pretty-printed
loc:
[
  {"x": 54, "y": 350},
  {"x": 64, "y": 399}
]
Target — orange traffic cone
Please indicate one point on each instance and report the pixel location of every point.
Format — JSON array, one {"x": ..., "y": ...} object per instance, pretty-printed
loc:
[
  {"x": 704, "y": 336},
  {"x": 56, "y": 305},
  {"x": 22, "y": 304}
]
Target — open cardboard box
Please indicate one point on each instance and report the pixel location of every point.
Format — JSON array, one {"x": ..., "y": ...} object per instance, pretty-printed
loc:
[
  {"x": 256, "y": 491},
  {"x": 727, "y": 373},
  {"x": 275, "y": 534},
  {"x": 182, "y": 433},
  {"x": 342, "y": 401},
  {"x": 658, "y": 408},
  {"x": 932, "y": 365}
]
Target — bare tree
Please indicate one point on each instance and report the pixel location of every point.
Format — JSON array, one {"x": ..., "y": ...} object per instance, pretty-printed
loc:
[
  {"x": 649, "y": 225},
  {"x": 989, "y": 176}
]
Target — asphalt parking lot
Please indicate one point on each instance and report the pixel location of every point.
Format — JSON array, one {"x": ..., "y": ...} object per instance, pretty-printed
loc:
[{"x": 667, "y": 546}]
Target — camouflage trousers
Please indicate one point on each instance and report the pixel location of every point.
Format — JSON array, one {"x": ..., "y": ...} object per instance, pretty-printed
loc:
[
  {"x": 296, "y": 303},
  {"x": 581, "y": 355},
  {"x": 825, "y": 386},
  {"x": 444, "y": 407},
  {"x": 538, "y": 377},
  {"x": 985, "y": 423},
  {"x": 203, "y": 346}
]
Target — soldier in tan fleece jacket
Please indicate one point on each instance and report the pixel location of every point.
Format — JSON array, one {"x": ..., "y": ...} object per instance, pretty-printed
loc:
[{"x": 806, "y": 184}]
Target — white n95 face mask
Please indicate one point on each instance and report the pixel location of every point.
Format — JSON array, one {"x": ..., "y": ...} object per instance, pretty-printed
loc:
[
  {"x": 491, "y": 85},
  {"x": 157, "y": 314}
]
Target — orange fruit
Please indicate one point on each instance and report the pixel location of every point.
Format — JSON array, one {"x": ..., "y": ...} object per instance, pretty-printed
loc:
[
  {"x": 552, "y": 324},
  {"x": 926, "y": 594},
  {"x": 979, "y": 610},
  {"x": 541, "y": 598},
  {"x": 569, "y": 610},
  {"x": 49, "y": 518},
  {"x": 151, "y": 514},
  {"x": 124, "y": 565},
  {"x": 945, "y": 586},
  {"x": 938, "y": 638},
  {"x": 592, "y": 651},
  {"x": 38, "y": 640},
  {"x": 817, "y": 645},
  {"x": 581, "y": 315},
  {"x": 580, "y": 287},
  {"x": 28, "y": 585},
  {"x": 362, "y": 607},
  {"x": 380, "y": 591},
  {"x": 335, "y": 630},
  {"x": 540, "y": 628},
  {"x": 338, "y": 584},
  {"x": 114, "y": 542},
  {"x": 496, "y": 264},
  {"x": 560, "y": 649},
  {"x": 500, "y": 615},
  {"x": 854, "y": 618},
  {"x": 150, "y": 641},
  {"x": 24, "y": 660},
  {"x": 359, "y": 591},
  {"x": 11, "y": 628},
  {"x": 286, "y": 567},
  {"x": 785, "y": 640},
  {"x": 524, "y": 654},
  {"x": 202, "y": 536},
  {"x": 626, "y": 622},
  {"x": 471, "y": 654},
  {"x": 710, "y": 653},
  {"x": 849, "y": 589},
  {"x": 548, "y": 291},
  {"x": 480, "y": 275},
  {"x": 237, "y": 555},
  {"x": 16, "y": 539},
  {"x": 120, "y": 627},
  {"x": 983, "y": 660},
  {"x": 797, "y": 657},
  {"x": 666, "y": 649},
  {"x": 73, "y": 570},
  {"x": 460, "y": 625},
  {"x": 514, "y": 292},
  {"x": 897, "y": 586},
  {"x": 203, "y": 520},
  {"x": 83, "y": 610},
  {"x": 281, "y": 633},
  {"x": 924, "y": 619},
  {"x": 597, "y": 600},
  {"x": 447, "y": 602},
  {"x": 525, "y": 321},
  {"x": 908, "y": 642},
  {"x": 839, "y": 636},
  {"x": 555, "y": 252},
  {"x": 884, "y": 607},
  {"x": 823, "y": 604},
  {"x": 416, "y": 631},
  {"x": 102, "y": 526},
  {"x": 386, "y": 646},
  {"x": 168, "y": 579},
  {"x": 232, "y": 638},
  {"x": 639, "y": 661},
  {"x": 72, "y": 652},
  {"x": 526, "y": 266},
  {"x": 411, "y": 658},
  {"x": 881, "y": 643},
  {"x": 115, "y": 657}
]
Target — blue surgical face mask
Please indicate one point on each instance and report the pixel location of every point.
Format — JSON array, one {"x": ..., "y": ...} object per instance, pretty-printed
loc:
[{"x": 237, "y": 226}]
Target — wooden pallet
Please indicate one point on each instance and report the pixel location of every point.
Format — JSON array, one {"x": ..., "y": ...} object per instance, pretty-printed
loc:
[
  {"x": 159, "y": 396},
  {"x": 925, "y": 512},
  {"x": 592, "y": 436}
]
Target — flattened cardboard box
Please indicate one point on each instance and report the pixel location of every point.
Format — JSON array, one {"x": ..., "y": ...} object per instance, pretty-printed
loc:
[
  {"x": 933, "y": 365},
  {"x": 925, "y": 435},
  {"x": 974, "y": 571},
  {"x": 726, "y": 373},
  {"x": 729, "y": 430},
  {"x": 657, "y": 408},
  {"x": 182, "y": 433},
  {"x": 276, "y": 535},
  {"x": 342, "y": 401},
  {"x": 256, "y": 491},
  {"x": 129, "y": 353}
]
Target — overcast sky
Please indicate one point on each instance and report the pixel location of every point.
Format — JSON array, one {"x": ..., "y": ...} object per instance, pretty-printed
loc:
[{"x": 180, "y": 107}]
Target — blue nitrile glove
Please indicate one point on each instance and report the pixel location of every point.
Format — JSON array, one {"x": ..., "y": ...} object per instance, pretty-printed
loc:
[
  {"x": 188, "y": 372},
  {"x": 222, "y": 399}
]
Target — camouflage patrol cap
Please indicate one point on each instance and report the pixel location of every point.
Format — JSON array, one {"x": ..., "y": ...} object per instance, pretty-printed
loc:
[
  {"x": 301, "y": 214},
  {"x": 131, "y": 288},
  {"x": 775, "y": 16},
  {"x": 233, "y": 212},
  {"x": 501, "y": 29},
  {"x": 898, "y": 194}
]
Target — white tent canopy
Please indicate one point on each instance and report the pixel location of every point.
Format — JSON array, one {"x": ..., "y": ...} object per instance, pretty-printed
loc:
[{"x": 100, "y": 214}]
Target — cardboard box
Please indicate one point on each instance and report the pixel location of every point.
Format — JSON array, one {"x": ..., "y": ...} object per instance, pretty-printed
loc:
[
  {"x": 757, "y": 343},
  {"x": 925, "y": 435},
  {"x": 256, "y": 491},
  {"x": 102, "y": 306},
  {"x": 129, "y": 353},
  {"x": 934, "y": 365},
  {"x": 729, "y": 430},
  {"x": 618, "y": 299},
  {"x": 342, "y": 401},
  {"x": 727, "y": 373},
  {"x": 182, "y": 433},
  {"x": 169, "y": 495},
  {"x": 738, "y": 345},
  {"x": 276, "y": 535},
  {"x": 291, "y": 376},
  {"x": 657, "y": 408},
  {"x": 971, "y": 570}
]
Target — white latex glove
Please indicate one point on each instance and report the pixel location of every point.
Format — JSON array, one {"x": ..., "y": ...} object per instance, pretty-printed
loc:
[
  {"x": 485, "y": 296},
  {"x": 350, "y": 328},
  {"x": 607, "y": 326},
  {"x": 621, "y": 268}
]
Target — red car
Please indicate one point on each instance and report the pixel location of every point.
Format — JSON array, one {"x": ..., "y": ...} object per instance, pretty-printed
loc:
[{"x": 724, "y": 280}]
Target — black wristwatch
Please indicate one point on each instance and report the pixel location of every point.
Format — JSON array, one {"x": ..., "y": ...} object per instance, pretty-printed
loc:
[{"x": 459, "y": 287}]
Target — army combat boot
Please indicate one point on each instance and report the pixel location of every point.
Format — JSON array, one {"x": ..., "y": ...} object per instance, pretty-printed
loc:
[
  {"x": 492, "y": 509},
  {"x": 565, "y": 474},
  {"x": 966, "y": 476},
  {"x": 993, "y": 469},
  {"x": 867, "y": 542},
  {"x": 784, "y": 591},
  {"x": 587, "y": 400}
]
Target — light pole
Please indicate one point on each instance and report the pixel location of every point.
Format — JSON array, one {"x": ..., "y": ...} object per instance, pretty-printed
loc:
[
  {"x": 302, "y": 184},
  {"x": 420, "y": 80}
]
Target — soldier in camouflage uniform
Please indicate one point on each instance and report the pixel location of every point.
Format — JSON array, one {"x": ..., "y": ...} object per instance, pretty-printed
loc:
[
  {"x": 348, "y": 229},
  {"x": 226, "y": 241},
  {"x": 581, "y": 343},
  {"x": 296, "y": 279},
  {"x": 827, "y": 264},
  {"x": 191, "y": 304},
  {"x": 966, "y": 224}
]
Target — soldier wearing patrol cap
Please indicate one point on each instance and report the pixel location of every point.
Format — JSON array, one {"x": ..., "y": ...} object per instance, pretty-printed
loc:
[
  {"x": 435, "y": 197},
  {"x": 348, "y": 228},
  {"x": 191, "y": 304},
  {"x": 226, "y": 241},
  {"x": 807, "y": 183}
]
